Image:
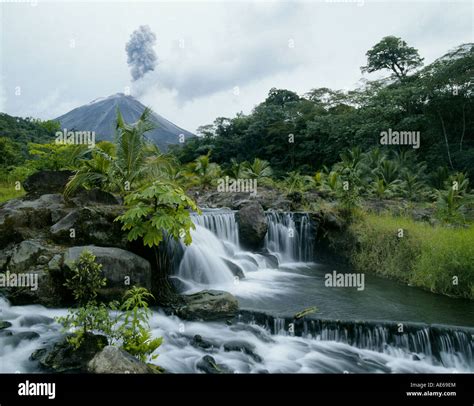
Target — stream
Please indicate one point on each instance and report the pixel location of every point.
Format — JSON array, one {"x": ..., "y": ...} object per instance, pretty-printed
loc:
[{"x": 387, "y": 327}]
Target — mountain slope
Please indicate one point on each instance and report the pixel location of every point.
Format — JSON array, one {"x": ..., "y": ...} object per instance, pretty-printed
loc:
[{"x": 100, "y": 116}]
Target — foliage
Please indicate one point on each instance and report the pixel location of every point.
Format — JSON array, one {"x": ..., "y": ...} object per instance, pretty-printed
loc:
[
  {"x": 124, "y": 166},
  {"x": 126, "y": 324},
  {"x": 435, "y": 100},
  {"x": 135, "y": 333},
  {"x": 451, "y": 200},
  {"x": 394, "y": 54},
  {"x": 157, "y": 211},
  {"x": 426, "y": 256},
  {"x": 91, "y": 317},
  {"x": 203, "y": 172},
  {"x": 52, "y": 156},
  {"x": 86, "y": 278}
]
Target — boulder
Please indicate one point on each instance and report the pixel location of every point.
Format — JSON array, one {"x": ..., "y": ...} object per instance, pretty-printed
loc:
[
  {"x": 62, "y": 357},
  {"x": 15, "y": 339},
  {"x": 208, "y": 365},
  {"x": 91, "y": 226},
  {"x": 234, "y": 268},
  {"x": 20, "y": 219},
  {"x": 253, "y": 225},
  {"x": 113, "y": 360},
  {"x": 208, "y": 305},
  {"x": 44, "y": 182},
  {"x": 25, "y": 255},
  {"x": 31, "y": 320},
  {"x": 4, "y": 324},
  {"x": 94, "y": 196},
  {"x": 121, "y": 268},
  {"x": 49, "y": 291},
  {"x": 242, "y": 346},
  {"x": 200, "y": 342}
]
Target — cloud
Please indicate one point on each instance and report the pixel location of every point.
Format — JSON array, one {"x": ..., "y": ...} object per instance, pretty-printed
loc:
[{"x": 246, "y": 54}]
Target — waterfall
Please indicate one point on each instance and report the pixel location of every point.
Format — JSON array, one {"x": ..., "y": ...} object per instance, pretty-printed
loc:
[
  {"x": 451, "y": 347},
  {"x": 290, "y": 235},
  {"x": 215, "y": 258}
]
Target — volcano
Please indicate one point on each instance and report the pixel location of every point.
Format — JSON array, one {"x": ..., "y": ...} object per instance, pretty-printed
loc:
[{"x": 100, "y": 116}]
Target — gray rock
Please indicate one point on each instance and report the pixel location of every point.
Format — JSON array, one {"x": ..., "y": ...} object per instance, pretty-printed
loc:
[
  {"x": 43, "y": 182},
  {"x": 55, "y": 263},
  {"x": 48, "y": 292},
  {"x": 31, "y": 320},
  {"x": 20, "y": 219},
  {"x": 25, "y": 255},
  {"x": 61, "y": 357},
  {"x": 242, "y": 346},
  {"x": 200, "y": 342},
  {"x": 253, "y": 225},
  {"x": 42, "y": 260},
  {"x": 208, "y": 305},
  {"x": 118, "y": 267},
  {"x": 271, "y": 260},
  {"x": 16, "y": 338},
  {"x": 4, "y": 324},
  {"x": 208, "y": 365},
  {"x": 94, "y": 196},
  {"x": 92, "y": 225},
  {"x": 234, "y": 268},
  {"x": 113, "y": 360},
  {"x": 246, "y": 257}
]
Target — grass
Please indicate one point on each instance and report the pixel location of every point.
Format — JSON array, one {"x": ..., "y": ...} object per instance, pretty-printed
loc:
[
  {"x": 436, "y": 258},
  {"x": 8, "y": 191}
]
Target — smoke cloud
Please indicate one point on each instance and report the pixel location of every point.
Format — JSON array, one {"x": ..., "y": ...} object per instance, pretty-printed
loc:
[{"x": 141, "y": 56}]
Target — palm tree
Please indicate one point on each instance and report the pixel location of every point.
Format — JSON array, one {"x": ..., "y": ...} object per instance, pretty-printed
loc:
[
  {"x": 123, "y": 166},
  {"x": 203, "y": 172},
  {"x": 295, "y": 182},
  {"x": 237, "y": 169},
  {"x": 259, "y": 169},
  {"x": 388, "y": 171}
]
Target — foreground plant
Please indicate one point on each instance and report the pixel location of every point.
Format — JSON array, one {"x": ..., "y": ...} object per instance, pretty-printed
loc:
[
  {"x": 157, "y": 215},
  {"x": 135, "y": 332},
  {"x": 125, "y": 325}
]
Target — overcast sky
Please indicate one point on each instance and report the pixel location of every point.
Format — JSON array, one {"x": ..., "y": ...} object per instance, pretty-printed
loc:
[{"x": 65, "y": 54}]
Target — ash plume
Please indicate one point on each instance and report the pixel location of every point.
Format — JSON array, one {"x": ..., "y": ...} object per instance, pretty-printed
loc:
[{"x": 141, "y": 56}]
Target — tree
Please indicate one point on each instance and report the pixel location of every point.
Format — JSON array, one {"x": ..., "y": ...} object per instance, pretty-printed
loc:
[
  {"x": 8, "y": 152},
  {"x": 394, "y": 54},
  {"x": 259, "y": 169},
  {"x": 156, "y": 215},
  {"x": 124, "y": 166}
]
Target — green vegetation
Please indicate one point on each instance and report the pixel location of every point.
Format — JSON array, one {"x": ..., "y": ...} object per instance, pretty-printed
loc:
[
  {"x": 157, "y": 214},
  {"x": 136, "y": 336},
  {"x": 8, "y": 191},
  {"x": 124, "y": 166},
  {"x": 125, "y": 325},
  {"x": 436, "y": 258},
  {"x": 306, "y": 133}
]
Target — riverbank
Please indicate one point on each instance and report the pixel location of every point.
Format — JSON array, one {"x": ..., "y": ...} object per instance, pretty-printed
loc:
[{"x": 430, "y": 256}]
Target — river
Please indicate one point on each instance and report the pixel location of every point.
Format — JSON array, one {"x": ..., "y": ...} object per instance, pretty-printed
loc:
[{"x": 387, "y": 327}]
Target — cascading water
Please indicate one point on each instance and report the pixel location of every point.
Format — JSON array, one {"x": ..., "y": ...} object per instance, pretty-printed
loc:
[
  {"x": 269, "y": 284},
  {"x": 215, "y": 258},
  {"x": 290, "y": 236}
]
